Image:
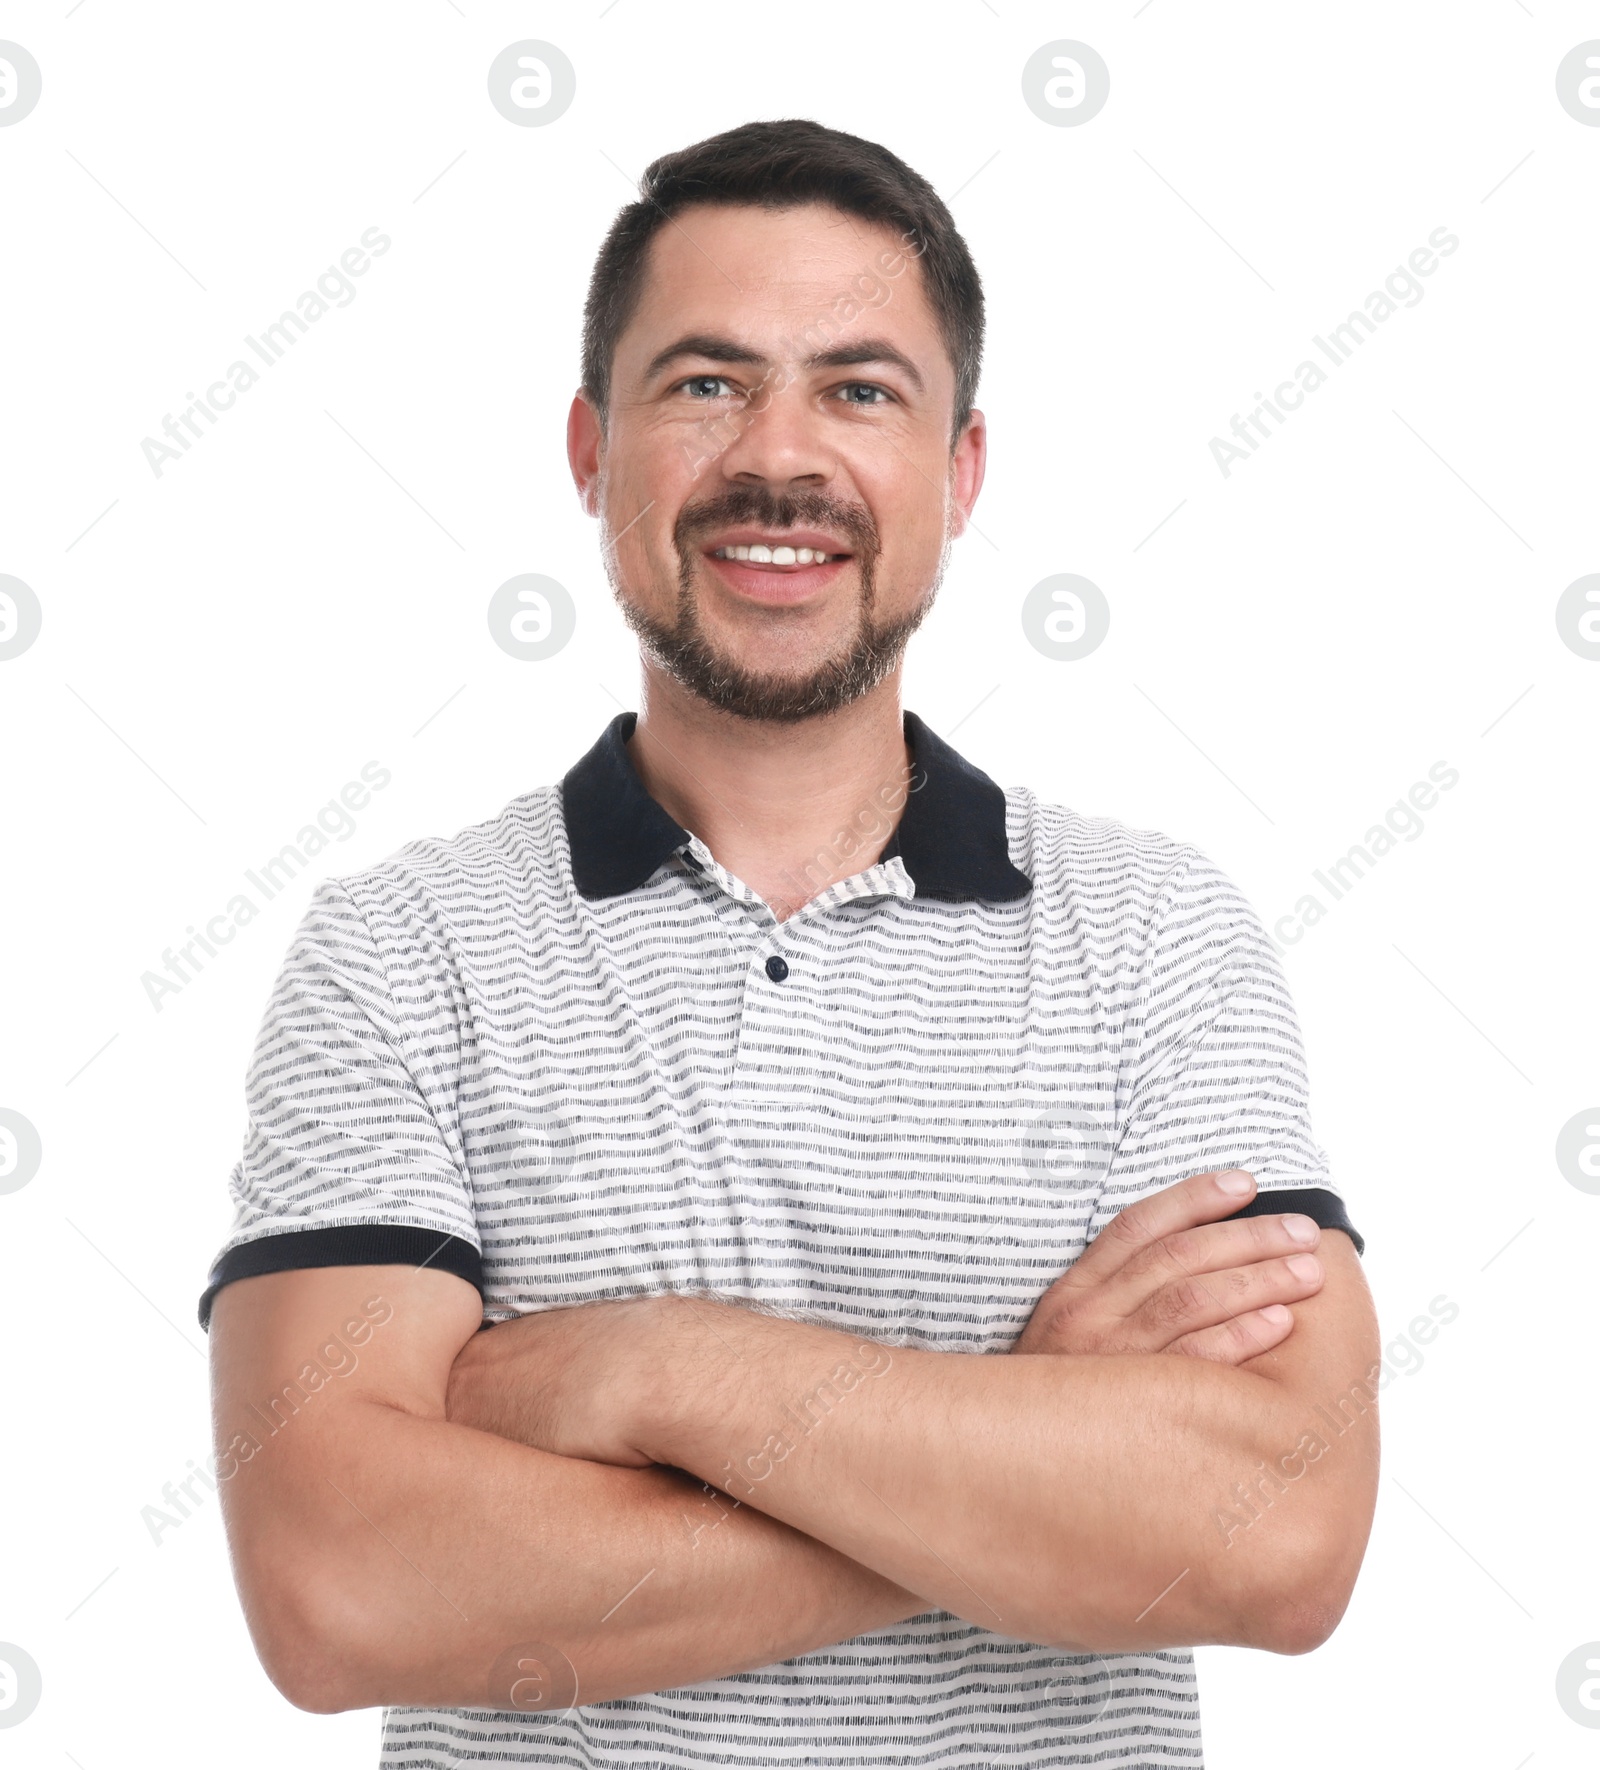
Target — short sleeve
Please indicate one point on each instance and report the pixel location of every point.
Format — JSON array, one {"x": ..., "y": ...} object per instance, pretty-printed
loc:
[
  {"x": 347, "y": 1160},
  {"x": 1214, "y": 1072}
]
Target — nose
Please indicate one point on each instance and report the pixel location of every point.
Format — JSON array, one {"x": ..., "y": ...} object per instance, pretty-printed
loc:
[{"x": 782, "y": 439}]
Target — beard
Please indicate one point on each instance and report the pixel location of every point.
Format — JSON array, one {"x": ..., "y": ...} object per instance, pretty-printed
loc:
[{"x": 683, "y": 649}]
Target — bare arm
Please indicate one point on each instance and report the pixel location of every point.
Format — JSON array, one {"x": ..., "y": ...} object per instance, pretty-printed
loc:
[
  {"x": 387, "y": 1555},
  {"x": 1116, "y": 1500}
]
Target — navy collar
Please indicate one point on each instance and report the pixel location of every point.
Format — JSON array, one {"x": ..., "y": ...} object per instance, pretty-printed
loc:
[{"x": 951, "y": 837}]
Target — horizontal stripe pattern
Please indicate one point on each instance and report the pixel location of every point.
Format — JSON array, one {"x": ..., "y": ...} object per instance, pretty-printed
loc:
[{"x": 908, "y": 1137}]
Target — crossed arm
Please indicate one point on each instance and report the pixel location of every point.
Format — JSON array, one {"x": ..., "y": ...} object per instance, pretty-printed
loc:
[{"x": 663, "y": 1490}]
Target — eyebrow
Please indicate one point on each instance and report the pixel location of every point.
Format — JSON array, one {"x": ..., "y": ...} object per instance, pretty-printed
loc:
[
  {"x": 867, "y": 350},
  {"x": 724, "y": 350},
  {"x": 703, "y": 344}
]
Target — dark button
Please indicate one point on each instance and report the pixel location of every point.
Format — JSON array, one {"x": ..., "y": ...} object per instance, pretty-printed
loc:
[{"x": 777, "y": 969}]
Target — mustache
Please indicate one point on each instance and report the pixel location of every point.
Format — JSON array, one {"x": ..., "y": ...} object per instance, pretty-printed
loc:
[{"x": 787, "y": 510}]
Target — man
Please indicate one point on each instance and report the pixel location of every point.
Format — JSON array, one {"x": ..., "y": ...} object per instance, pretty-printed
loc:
[{"x": 849, "y": 1155}]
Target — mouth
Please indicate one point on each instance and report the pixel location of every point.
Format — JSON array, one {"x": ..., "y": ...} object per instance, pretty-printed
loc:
[{"x": 777, "y": 566}]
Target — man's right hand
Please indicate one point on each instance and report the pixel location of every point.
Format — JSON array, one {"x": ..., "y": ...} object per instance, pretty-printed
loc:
[{"x": 1166, "y": 1275}]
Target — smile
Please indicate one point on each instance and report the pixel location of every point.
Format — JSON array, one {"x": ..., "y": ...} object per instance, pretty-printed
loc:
[{"x": 757, "y": 554}]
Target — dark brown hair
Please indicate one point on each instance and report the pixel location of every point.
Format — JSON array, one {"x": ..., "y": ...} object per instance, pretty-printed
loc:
[{"x": 780, "y": 165}]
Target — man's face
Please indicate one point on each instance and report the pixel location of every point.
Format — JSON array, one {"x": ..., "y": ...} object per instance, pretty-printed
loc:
[{"x": 783, "y": 388}]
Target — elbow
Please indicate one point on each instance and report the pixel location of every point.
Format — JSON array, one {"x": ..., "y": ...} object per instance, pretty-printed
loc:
[
  {"x": 1303, "y": 1622},
  {"x": 1306, "y": 1572},
  {"x": 310, "y": 1648},
  {"x": 1303, "y": 1608},
  {"x": 311, "y": 1691},
  {"x": 310, "y": 1678}
]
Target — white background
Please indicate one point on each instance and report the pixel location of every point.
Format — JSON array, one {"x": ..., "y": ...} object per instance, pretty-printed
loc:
[{"x": 224, "y": 646}]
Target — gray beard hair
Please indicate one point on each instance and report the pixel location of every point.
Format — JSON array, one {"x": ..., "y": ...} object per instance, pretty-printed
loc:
[{"x": 682, "y": 649}]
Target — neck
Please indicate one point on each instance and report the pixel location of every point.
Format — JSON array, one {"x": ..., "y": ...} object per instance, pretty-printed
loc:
[{"x": 788, "y": 807}]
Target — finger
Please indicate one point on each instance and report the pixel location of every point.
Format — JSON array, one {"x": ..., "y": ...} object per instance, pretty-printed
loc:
[
  {"x": 1208, "y": 1250},
  {"x": 1239, "y": 1340},
  {"x": 1213, "y": 1247},
  {"x": 1189, "y": 1304},
  {"x": 1202, "y": 1198}
]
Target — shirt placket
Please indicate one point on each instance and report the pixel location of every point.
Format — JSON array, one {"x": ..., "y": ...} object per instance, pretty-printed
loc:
[
  {"x": 772, "y": 992},
  {"x": 748, "y": 922}
]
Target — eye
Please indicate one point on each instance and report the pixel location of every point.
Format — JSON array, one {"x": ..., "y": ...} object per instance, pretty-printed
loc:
[
  {"x": 862, "y": 393},
  {"x": 705, "y": 387}
]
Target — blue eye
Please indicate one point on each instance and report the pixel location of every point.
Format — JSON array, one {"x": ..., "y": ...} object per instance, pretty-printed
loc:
[
  {"x": 876, "y": 395},
  {"x": 704, "y": 386}
]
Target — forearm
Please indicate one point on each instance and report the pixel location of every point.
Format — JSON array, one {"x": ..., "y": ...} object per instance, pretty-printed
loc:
[
  {"x": 1047, "y": 1498},
  {"x": 426, "y": 1549}
]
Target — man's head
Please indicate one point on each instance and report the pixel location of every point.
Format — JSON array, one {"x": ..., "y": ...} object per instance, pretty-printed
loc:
[{"x": 781, "y": 349}]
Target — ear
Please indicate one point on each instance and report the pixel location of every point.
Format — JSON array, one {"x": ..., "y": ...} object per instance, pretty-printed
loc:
[
  {"x": 967, "y": 463},
  {"x": 585, "y": 443}
]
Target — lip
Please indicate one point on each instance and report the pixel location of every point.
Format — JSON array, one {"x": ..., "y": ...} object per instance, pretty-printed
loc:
[
  {"x": 816, "y": 539},
  {"x": 775, "y": 585}
]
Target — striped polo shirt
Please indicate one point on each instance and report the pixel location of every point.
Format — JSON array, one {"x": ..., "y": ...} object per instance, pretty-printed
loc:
[{"x": 568, "y": 1056}]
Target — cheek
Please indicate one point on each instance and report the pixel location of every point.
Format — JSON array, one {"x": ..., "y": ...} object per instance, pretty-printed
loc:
[
  {"x": 908, "y": 497},
  {"x": 649, "y": 464},
  {"x": 647, "y": 569},
  {"x": 912, "y": 545},
  {"x": 639, "y": 508}
]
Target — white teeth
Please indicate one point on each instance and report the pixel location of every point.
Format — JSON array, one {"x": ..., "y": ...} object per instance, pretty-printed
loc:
[{"x": 760, "y": 555}]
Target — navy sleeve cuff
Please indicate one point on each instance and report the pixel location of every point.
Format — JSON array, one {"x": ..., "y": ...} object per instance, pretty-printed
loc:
[
  {"x": 1324, "y": 1208},
  {"x": 350, "y": 1244}
]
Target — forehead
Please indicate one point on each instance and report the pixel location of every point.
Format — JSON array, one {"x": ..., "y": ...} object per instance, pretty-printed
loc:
[{"x": 772, "y": 277}]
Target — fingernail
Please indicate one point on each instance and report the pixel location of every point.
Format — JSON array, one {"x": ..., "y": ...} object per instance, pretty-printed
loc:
[
  {"x": 1276, "y": 1314},
  {"x": 1235, "y": 1183},
  {"x": 1300, "y": 1229},
  {"x": 1305, "y": 1266}
]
